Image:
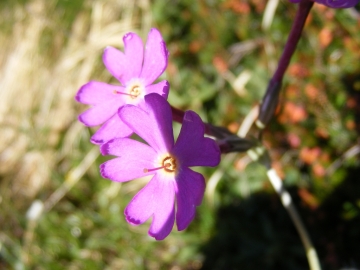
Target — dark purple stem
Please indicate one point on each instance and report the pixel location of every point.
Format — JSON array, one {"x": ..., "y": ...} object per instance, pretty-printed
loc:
[
  {"x": 271, "y": 97},
  {"x": 293, "y": 39},
  {"x": 177, "y": 115}
]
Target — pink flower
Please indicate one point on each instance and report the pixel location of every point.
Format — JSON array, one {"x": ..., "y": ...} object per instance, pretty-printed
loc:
[
  {"x": 173, "y": 180},
  {"x": 334, "y": 3},
  {"x": 136, "y": 70}
]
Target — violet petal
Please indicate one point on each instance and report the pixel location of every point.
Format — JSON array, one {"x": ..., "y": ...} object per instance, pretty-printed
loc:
[
  {"x": 134, "y": 53},
  {"x": 133, "y": 158},
  {"x": 113, "y": 128},
  {"x": 338, "y": 3},
  {"x": 162, "y": 88},
  {"x": 100, "y": 113},
  {"x": 126, "y": 66},
  {"x": 115, "y": 62},
  {"x": 334, "y": 3},
  {"x": 156, "y": 57},
  {"x": 156, "y": 199},
  {"x": 97, "y": 92},
  {"x": 191, "y": 147},
  {"x": 155, "y": 125},
  {"x": 189, "y": 194}
]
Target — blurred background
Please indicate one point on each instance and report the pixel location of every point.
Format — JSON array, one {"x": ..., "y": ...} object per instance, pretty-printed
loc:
[{"x": 222, "y": 53}]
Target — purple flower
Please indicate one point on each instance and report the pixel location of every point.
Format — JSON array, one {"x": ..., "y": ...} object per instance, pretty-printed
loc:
[
  {"x": 334, "y": 3},
  {"x": 168, "y": 162},
  {"x": 136, "y": 70}
]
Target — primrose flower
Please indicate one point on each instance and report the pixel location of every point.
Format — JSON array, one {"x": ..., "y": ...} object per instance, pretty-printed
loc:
[
  {"x": 169, "y": 162},
  {"x": 334, "y": 3},
  {"x": 136, "y": 70}
]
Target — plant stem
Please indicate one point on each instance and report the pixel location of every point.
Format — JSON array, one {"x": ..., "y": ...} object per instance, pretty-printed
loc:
[
  {"x": 290, "y": 207},
  {"x": 271, "y": 96}
]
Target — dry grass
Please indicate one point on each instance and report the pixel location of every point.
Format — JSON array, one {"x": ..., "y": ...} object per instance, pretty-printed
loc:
[
  {"x": 38, "y": 84},
  {"x": 42, "y": 66}
]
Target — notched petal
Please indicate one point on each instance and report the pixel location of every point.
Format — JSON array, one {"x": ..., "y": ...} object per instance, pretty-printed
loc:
[
  {"x": 155, "y": 200},
  {"x": 153, "y": 125},
  {"x": 126, "y": 146},
  {"x": 155, "y": 58},
  {"x": 100, "y": 113},
  {"x": 115, "y": 62},
  {"x": 112, "y": 128},
  {"x": 94, "y": 93},
  {"x": 162, "y": 88},
  {"x": 134, "y": 54},
  {"x": 189, "y": 193},
  {"x": 192, "y": 148}
]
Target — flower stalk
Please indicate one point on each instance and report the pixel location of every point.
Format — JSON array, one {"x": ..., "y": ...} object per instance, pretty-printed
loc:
[
  {"x": 288, "y": 204},
  {"x": 271, "y": 97},
  {"x": 262, "y": 156}
]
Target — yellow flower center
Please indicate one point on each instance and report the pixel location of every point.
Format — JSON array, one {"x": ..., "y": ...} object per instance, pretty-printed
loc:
[
  {"x": 135, "y": 91},
  {"x": 168, "y": 163}
]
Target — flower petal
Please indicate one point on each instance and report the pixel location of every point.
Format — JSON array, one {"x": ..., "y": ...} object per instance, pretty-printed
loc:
[
  {"x": 189, "y": 194},
  {"x": 156, "y": 57},
  {"x": 126, "y": 66},
  {"x": 134, "y": 53},
  {"x": 115, "y": 62},
  {"x": 94, "y": 93},
  {"x": 156, "y": 199},
  {"x": 142, "y": 206},
  {"x": 333, "y": 3},
  {"x": 338, "y": 3},
  {"x": 100, "y": 113},
  {"x": 113, "y": 128},
  {"x": 133, "y": 158},
  {"x": 191, "y": 147},
  {"x": 153, "y": 125},
  {"x": 161, "y": 88}
]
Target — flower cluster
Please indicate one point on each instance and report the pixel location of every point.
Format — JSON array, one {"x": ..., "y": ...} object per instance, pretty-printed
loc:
[
  {"x": 334, "y": 3},
  {"x": 139, "y": 106}
]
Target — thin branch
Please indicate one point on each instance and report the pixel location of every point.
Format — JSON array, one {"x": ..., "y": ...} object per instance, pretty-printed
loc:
[
  {"x": 295, "y": 217},
  {"x": 353, "y": 151}
]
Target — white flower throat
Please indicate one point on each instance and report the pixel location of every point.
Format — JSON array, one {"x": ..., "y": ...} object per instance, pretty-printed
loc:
[{"x": 135, "y": 90}]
